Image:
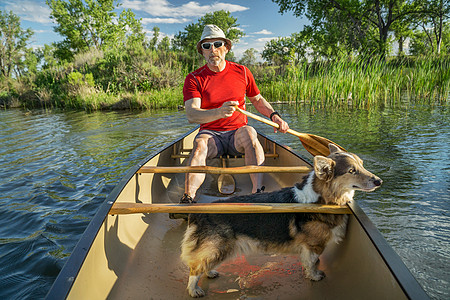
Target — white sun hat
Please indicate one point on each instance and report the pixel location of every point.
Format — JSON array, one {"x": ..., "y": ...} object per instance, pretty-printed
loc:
[{"x": 212, "y": 32}]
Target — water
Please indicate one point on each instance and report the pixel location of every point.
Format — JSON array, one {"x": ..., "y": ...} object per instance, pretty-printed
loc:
[{"x": 57, "y": 167}]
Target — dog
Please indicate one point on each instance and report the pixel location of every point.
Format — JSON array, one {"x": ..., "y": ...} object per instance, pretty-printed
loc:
[{"x": 211, "y": 238}]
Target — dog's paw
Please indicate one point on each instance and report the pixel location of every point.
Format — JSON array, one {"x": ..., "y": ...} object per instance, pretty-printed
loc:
[
  {"x": 196, "y": 292},
  {"x": 212, "y": 274},
  {"x": 316, "y": 275}
]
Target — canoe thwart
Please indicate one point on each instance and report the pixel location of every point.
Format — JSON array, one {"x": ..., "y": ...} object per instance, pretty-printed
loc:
[
  {"x": 218, "y": 170},
  {"x": 227, "y": 208},
  {"x": 186, "y": 153}
]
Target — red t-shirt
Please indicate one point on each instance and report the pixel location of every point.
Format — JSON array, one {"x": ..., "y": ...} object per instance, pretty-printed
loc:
[{"x": 215, "y": 88}]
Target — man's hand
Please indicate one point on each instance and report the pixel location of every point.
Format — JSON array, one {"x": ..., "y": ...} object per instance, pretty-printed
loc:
[
  {"x": 227, "y": 109},
  {"x": 283, "y": 125}
]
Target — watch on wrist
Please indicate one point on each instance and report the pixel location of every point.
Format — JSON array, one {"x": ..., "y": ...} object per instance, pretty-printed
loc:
[{"x": 273, "y": 114}]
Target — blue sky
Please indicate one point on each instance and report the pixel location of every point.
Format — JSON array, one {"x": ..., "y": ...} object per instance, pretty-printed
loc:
[{"x": 259, "y": 20}]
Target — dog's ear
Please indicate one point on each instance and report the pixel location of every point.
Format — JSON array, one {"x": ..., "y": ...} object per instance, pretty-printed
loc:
[
  {"x": 324, "y": 167},
  {"x": 333, "y": 148}
]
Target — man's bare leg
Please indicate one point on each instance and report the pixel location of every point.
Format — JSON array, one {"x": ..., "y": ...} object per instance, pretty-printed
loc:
[
  {"x": 204, "y": 147},
  {"x": 246, "y": 141}
]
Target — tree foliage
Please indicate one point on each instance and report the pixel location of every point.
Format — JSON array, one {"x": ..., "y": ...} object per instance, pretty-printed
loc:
[
  {"x": 187, "y": 39},
  {"x": 105, "y": 55},
  {"x": 92, "y": 24},
  {"x": 154, "y": 40},
  {"x": 285, "y": 50},
  {"x": 13, "y": 45},
  {"x": 249, "y": 57},
  {"x": 355, "y": 25},
  {"x": 432, "y": 22}
]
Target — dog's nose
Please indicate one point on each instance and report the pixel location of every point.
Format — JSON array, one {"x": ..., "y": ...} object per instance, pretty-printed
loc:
[{"x": 377, "y": 181}]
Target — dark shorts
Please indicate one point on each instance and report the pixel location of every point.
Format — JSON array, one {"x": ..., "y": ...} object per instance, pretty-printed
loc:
[{"x": 224, "y": 142}]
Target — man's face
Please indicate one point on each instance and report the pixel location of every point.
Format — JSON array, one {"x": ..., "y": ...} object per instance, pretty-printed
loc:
[{"x": 214, "y": 56}]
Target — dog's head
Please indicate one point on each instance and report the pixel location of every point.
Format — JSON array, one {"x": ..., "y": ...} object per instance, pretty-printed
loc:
[{"x": 343, "y": 172}]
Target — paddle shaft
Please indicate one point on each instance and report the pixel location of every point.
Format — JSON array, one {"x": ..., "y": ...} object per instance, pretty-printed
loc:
[
  {"x": 314, "y": 144},
  {"x": 268, "y": 122}
]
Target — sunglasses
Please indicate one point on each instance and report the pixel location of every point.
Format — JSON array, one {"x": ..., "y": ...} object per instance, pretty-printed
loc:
[{"x": 217, "y": 44}]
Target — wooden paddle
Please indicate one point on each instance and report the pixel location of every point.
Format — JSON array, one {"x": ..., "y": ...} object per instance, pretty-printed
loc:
[{"x": 316, "y": 145}]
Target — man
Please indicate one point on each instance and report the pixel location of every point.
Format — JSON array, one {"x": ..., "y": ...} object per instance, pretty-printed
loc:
[{"x": 210, "y": 96}]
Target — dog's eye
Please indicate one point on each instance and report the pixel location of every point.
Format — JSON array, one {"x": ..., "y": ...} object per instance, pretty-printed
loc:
[{"x": 352, "y": 171}]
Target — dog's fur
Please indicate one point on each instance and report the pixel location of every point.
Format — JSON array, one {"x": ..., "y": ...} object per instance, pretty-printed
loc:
[{"x": 211, "y": 238}]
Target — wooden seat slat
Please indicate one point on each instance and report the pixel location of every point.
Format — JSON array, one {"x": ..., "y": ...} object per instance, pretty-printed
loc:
[
  {"x": 227, "y": 208},
  {"x": 219, "y": 170}
]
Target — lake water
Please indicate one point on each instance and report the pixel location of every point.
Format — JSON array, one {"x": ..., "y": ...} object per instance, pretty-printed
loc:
[{"x": 57, "y": 167}]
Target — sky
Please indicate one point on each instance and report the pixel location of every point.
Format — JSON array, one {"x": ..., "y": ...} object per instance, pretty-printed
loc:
[{"x": 259, "y": 20}]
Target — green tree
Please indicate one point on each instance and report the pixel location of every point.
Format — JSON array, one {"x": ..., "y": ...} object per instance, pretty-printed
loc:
[
  {"x": 249, "y": 57},
  {"x": 186, "y": 40},
  {"x": 29, "y": 64},
  {"x": 402, "y": 31},
  {"x": 423, "y": 40},
  {"x": 164, "y": 45},
  {"x": 127, "y": 33},
  {"x": 47, "y": 56},
  {"x": 84, "y": 26},
  {"x": 331, "y": 34},
  {"x": 433, "y": 21},
  {"x": 359, "y": 22},
  {"x": 154, "y": 40},
  {"x": 13, "y": 43},
  {"x": 93, "y": 24},
  {"x": 284, "y": 50}
]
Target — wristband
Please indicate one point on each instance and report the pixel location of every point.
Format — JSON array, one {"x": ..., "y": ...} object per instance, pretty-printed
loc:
[{"x": 273, "y": 114}]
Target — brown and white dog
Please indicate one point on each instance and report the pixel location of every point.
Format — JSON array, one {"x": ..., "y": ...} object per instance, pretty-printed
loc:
[{"x": 211, "y": 238}]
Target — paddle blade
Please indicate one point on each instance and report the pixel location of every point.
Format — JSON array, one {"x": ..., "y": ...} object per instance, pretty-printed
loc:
[{"x": 317, "y": 145}]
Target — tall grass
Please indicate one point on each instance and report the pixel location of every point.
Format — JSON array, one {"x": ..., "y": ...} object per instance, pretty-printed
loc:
[
  {"x": 362, "y": 82},
  {"x": 91, "y": 99},
  {"x": 151, "y": 80}
]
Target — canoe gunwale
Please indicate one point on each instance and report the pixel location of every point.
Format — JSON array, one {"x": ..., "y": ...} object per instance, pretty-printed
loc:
[{"x": 66, "y": 277}]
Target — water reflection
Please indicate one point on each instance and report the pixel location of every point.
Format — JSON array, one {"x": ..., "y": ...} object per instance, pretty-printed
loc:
[{"x": 58, "y": 167}]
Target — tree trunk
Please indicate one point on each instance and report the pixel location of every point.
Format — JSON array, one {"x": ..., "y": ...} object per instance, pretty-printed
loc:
[
  {"x": 400, "y": 46},
  {"x": 439, "y": 35}
]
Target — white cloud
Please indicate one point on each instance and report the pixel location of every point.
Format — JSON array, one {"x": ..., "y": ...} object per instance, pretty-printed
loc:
[
  {"x": 163, "y": 8},
  {"x": 163, "y": 20},
  {"x": 264, "y": 31},
  {"x": 30, "y": 10},
  {"x": 265, "y": 40}
]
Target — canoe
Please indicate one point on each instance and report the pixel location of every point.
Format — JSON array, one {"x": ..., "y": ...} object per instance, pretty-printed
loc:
[{"x": 131, "y": 249}]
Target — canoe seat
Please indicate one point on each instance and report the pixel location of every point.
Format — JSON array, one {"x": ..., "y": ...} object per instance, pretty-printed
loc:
[
  {"x": 226, "y": 182},
  {"x": 269, "y": 151}
]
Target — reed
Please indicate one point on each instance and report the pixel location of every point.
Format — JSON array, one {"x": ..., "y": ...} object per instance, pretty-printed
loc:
[
  {"x": 120, "y": 80},
  {"x": 362, "y": 82},
  {"x": 94, "y": 99}
]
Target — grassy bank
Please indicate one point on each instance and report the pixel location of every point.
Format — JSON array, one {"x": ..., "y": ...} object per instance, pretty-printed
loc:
[
  {"x": 93, "y": 100},
  {"x": 360, "y": 82}
]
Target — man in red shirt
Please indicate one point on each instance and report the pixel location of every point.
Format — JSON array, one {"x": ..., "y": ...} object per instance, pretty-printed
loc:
[{"x": 210, "y": 96}]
